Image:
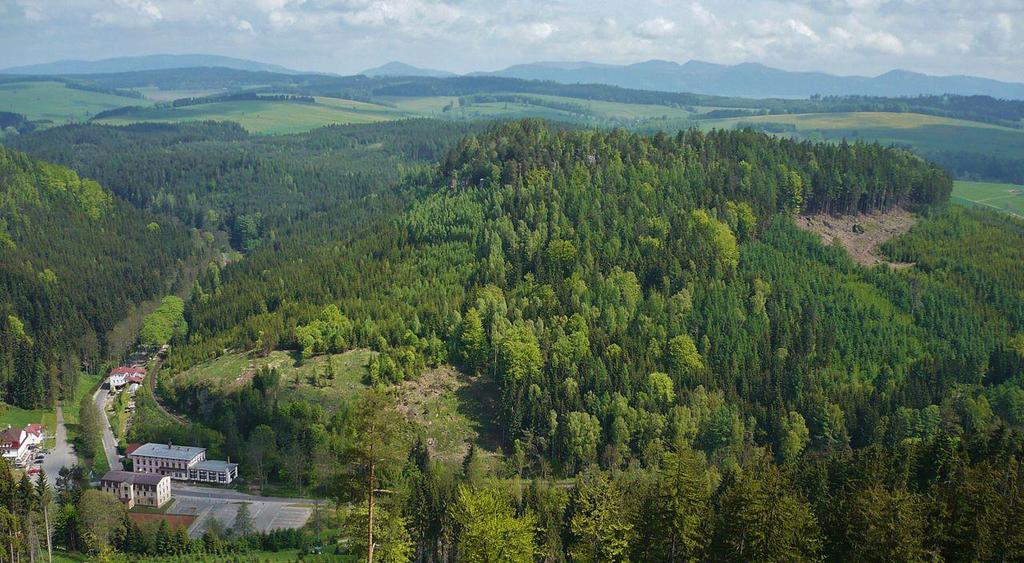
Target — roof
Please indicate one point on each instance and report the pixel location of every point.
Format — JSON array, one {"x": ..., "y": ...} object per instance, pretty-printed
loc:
[
  {"x": 134, "y": 478},
  {"x": 134, "y": 379},
  {"x": 130, "y": 448},
  {"x": 124, "y": 370},
  {"x": 214, "y": 465},
  {"x": 34, "y": 428},
  {"x": 168, "y": 451},
  {"x": 11, "y": 435}
]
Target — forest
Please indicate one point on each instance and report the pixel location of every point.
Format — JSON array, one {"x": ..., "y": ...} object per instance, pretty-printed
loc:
[
  {"x": 675, "y": 370},
  {"x": 73, "y": 257}
]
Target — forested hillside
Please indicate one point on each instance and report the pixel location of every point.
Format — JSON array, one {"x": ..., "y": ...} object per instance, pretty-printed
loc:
[
  {"x": 72, "y": 258},
  {"x": 216, "y": 176},
  {"x": 645, "y": 306}
]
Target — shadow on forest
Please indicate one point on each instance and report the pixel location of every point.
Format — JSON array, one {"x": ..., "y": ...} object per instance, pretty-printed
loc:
[{"x": 478, "y": 399}]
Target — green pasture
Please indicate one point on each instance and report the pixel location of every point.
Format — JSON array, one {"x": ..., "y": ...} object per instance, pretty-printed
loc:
[
  {"x": 266, "y": 116},
  {"x": 924, "y": 133},
  {"x": 990, "y": 195},
  {"x": 56, "y": 102}
]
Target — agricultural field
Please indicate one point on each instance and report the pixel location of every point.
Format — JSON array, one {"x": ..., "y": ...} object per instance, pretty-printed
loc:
[
  {"x": 558, "y": 108},
  {"x": 270, "y": 117},
  {"x": 991, "y": 195},
  {"x": 55, "y": 102},
  {"x": 924, "y": 133}
]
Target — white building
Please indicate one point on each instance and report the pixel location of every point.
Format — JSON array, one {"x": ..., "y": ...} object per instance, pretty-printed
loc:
[
  {"x": 183, "y": 463},
  {"x": 120, "y": 375},
  {"x": 14, "y": 445},
  {"x": 213, "y": 471},
  {"x": 167, "y": 459}
]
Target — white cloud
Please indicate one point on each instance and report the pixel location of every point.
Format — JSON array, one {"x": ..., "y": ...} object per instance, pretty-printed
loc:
[
  {"x": 857, "y": 37},
  {"x": 655, "y": 28},
  {"x": 129, "y": 13},
  {"x": 843, "y": 36}
]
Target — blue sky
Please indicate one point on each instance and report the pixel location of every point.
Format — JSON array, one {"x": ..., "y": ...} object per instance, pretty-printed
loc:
[{"x": 980, "y": 37}]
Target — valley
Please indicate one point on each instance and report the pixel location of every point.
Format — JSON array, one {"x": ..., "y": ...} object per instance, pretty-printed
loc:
[{"x": 569, "y": 322}]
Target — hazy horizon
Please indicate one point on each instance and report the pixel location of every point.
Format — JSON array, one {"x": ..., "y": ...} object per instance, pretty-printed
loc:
[{"x": 842, "y": 37}]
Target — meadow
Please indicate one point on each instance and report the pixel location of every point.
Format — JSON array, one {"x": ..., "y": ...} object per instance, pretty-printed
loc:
[
  {"x": 924, "y": 133},
  {"x": 269, "y": 117},
  {"x": 447, "y": 404},
  {"x": 991, "y": 195},
  {"x": 55, "y": 102}
]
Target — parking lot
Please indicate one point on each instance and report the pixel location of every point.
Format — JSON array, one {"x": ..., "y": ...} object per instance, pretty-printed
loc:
[{"x": 268, "y": 513}]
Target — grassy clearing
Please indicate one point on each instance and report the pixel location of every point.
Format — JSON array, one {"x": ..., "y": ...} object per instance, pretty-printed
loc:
[
  {"x": 301, "y": 379},
  {"x": 451, "y": 409},
  {"x": 1008, "y": 198},
  {"x": 269, "y": 117},
  {"x": 55, "y": 102},
  {"x": 288, "y": 555}
]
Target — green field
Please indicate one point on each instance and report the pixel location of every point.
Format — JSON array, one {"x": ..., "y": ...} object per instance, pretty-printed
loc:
[
  {"x": 56, "y": 102},
  {"x": 925, "y": 133},
  {"x": 267, "y": 116},
  {"x": 595, "y": 112},
  {"x": 991, "y": 195}
]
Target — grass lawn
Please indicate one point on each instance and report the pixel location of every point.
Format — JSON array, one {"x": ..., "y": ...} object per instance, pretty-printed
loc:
[
  {"x": 267, "y": 116},
  {"x": 56, "y": 102},
  {"x": 14, "y": 416},
  {"x": 48, "y": 417},
  {"x": 990, "y": 195}
]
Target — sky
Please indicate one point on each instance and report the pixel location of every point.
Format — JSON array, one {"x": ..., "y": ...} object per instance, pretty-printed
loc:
[{"x": 866, "y": 37}]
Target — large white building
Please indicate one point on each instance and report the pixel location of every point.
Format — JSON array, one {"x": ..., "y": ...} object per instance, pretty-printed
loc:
[
  {"x": 167, "y": 459},
  {"x": 183, "y": 463}
]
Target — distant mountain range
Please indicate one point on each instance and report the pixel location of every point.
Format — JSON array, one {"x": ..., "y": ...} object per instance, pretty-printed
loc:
[
  {"x": 750, "y": 80},
  {"x": 146, "y": 62},
  {"x": 395, "y": 68}
]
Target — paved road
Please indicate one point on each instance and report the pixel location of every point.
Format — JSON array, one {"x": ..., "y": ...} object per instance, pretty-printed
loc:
[
  {"x": 109, "y": 443},
  {"x": 62, "y": 455}
]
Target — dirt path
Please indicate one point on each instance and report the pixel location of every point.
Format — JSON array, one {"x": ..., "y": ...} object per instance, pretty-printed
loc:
[
  {"x": 861, "y": 235},
  {"x": 151, "y": 382}
]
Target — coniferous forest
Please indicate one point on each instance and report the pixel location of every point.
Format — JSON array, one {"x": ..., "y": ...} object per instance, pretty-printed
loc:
[{"x": 668, "y": 367}]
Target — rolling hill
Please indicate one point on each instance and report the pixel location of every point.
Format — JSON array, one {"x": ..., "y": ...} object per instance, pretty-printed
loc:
[
  {"x": 757, "y": 80},
  {"x": 145, "y": 62},
  {"x": 396, "y": 68}
]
